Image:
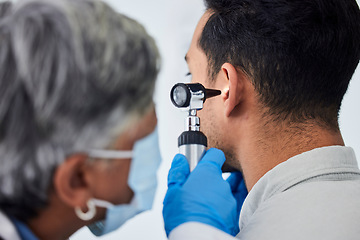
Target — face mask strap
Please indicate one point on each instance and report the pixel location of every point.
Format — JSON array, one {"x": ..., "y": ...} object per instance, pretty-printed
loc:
[
  {"x": 91, "y": 204},
  {"x": 102, "y": 203},
  {"x": 86, "y": 216},
  {"x": 110, "y": 154}
]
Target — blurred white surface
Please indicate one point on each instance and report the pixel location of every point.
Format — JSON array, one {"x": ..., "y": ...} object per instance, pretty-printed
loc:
[{"x": 172, "y": 23}]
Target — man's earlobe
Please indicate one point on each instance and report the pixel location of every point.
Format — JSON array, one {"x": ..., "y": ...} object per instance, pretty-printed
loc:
[
  {"x": 69, "y": 181},
  {"x": 232, "y": 94}
]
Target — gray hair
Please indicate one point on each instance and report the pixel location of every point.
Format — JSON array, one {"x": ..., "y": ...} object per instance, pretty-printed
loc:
[{"x": 73, "y": 73}]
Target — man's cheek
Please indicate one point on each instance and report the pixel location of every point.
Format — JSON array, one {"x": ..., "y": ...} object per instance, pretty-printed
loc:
[
  {"x": 203, "y": 123},
  {"x": 205, "y": 126}
]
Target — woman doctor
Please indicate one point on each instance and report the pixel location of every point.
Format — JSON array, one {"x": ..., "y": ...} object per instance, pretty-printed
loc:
[{"x": 77, "y": 139}]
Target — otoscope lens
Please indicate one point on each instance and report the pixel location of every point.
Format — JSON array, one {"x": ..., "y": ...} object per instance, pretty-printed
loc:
[{"x": 180, "y": 95}]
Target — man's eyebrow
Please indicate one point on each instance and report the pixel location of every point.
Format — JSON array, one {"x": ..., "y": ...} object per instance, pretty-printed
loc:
[{"x": 186, "y": 57}]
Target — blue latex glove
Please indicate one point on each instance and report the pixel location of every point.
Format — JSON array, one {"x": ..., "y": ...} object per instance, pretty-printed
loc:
[
  {"x": 238, "y": 189},
  {"x": 200, "y": 196}
]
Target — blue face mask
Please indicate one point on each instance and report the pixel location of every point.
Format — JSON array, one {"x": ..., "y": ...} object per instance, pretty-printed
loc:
[{"x": 142, "y": 180}]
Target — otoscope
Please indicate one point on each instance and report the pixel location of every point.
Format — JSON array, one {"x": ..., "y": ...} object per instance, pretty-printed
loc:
[{"x": 192, "y": 142}]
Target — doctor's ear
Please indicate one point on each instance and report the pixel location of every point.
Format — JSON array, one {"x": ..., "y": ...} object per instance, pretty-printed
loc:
[
  {"x": 234, "y": 93},
  {"x": 70, "y": 181}
]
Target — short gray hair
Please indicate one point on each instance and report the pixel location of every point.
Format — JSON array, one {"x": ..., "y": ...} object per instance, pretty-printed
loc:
[{"x": 72, "y": 74}]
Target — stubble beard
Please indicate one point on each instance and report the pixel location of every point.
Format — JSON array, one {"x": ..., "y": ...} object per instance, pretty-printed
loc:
[{"x": 216, "y": 136}]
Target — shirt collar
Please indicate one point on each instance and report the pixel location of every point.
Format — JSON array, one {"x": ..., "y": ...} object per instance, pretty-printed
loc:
[
  {"x": 24, "y": 231},
  {"x": 300, "y": 168}
]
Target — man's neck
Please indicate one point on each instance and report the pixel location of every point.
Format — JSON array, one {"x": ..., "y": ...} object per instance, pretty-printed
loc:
[{"x": 276, "y": 144}]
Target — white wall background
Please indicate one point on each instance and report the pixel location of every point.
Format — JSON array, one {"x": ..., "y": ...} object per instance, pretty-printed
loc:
[{"x": 172, "y": 24}]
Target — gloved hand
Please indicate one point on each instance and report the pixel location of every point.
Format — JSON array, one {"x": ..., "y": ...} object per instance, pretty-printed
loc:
[
  {"x": 201, "y": 196},
  {"x": 238, "y": 189}
]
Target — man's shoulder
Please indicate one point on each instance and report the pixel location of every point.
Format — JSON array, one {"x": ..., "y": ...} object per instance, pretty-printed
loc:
[{"x": 312, "y": 210}]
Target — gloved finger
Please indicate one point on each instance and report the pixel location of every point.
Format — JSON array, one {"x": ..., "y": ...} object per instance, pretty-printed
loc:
[
  {"x": 179, "y": 171},
  {"x": 234, "y": 180},
  {"x": 214, "y": 156},
  {"x": 170, "y": 194}
]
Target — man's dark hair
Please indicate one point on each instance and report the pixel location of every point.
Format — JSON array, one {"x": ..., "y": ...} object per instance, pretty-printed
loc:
[{"x": 300, "y": 54}]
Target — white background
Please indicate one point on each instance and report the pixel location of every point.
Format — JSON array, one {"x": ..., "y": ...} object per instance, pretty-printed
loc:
[{"x": 172, "y": 24}]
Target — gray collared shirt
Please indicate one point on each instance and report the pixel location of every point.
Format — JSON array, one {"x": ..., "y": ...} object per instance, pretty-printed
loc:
[{"x": 314, "y": 195}]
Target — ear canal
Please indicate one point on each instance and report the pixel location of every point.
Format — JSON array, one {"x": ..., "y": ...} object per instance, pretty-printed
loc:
[{"x": 226, "y": 93}]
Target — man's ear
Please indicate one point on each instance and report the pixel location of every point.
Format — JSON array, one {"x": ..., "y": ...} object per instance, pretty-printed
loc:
[
  {"x": 234, "y": 93},
  {"x": 70, "y": 182}
]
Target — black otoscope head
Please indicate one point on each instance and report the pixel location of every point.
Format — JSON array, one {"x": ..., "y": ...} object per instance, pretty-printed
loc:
[
  {"x": 191, "y": 95},
  {"x": 192, "y": 142}
]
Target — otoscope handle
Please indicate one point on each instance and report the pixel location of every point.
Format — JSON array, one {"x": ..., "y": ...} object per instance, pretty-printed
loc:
[{"x": 192, "y": 144}]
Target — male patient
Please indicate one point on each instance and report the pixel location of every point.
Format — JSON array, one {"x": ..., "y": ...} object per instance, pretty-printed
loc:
[{"x": 284, "y": 67}]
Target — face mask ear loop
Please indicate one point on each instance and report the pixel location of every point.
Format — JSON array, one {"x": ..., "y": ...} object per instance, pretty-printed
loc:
[
  {"x": 89, "y": 214},
  {"x": 102, "y": 203},
  {"x": 111, "y": 154}
]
